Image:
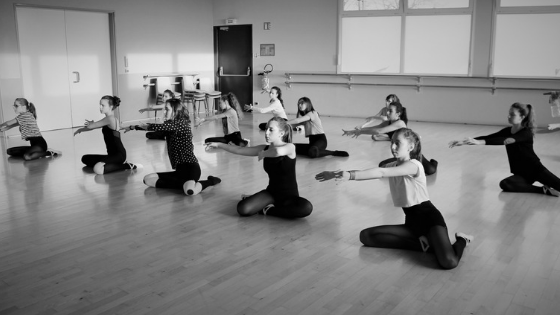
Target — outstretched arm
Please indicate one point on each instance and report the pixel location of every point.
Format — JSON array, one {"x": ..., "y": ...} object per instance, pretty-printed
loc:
[
  {"x": 200, "y": 121},
  {"x": 407, "y": 168},
  {"x": 245, "y": 151},
  {"x": 299, "y": 120},
  {"x": 286, "y": 150},
  {"x": 8, "y": 124},
  {"x": 153, "y": 108}
]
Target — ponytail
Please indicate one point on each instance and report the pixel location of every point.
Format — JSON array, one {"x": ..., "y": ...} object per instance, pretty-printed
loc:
[
  {"x": 233, "y": 103},
  {"x": 28, "y": 105},
  {"x": 527, "y": 111}
]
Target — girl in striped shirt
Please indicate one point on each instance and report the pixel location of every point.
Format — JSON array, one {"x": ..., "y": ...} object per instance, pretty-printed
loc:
[{"x": 26, "y": 119}]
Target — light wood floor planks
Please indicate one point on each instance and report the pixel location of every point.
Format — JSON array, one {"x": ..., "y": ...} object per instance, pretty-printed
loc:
[{"x": 73, "y": 242}]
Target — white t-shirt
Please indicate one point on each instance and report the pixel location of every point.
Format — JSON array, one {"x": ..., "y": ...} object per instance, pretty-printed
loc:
[
  {"x": 408, "y": 190},
  {"x": 275, "y": 107}
]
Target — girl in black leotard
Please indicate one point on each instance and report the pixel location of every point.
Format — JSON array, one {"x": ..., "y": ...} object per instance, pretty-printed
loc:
[
  {"x": 230, "y": 113},
  {"x": 177, "y": 131},
  {"x": 281, "y": 197},
  {"x": 308, "y": 117},
  {"x": 115, "y": 160},
  {"x": 523, "y": 162},
  {"x": 26, "y": 119}
]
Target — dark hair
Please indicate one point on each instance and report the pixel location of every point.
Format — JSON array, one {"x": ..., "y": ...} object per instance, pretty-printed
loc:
[
  {"x": 279, "y": 92},
  {"x": 114, "y": 101},
  {"x": 412, "y": 137},
  {"x": 282, "y": 126},
  {"x": 391, "y": 98},
  {"x": 527, "y": 111},
  {"x": 231, "y": 99},
  {"x": 309, "y": 107},
  {"x": 179, "y": 110},
  {"x": 401, "y": 110},
  {"x": 30, "y": 107},
  {"x": 168, "y": 91},
  {"x": 554, "y": 95}
]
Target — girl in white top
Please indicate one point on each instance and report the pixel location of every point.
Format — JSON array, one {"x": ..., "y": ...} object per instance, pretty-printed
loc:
[
  {"x": 308, "y": 117},
  {"x": 276, "y": 106},
  {"x": 26, "y": 119},
  {"x": 230, "y": 113},
  {"x": 424, "y": 225}
]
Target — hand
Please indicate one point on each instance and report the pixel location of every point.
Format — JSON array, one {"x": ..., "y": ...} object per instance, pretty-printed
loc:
[
  {"x": 354, "y": 133},
  {"x": 198, "y": 121},
  {"x": 211, "y": 145},
  {"x": 455, "y": 143},
  {"x": 78, "y": 131},
  {"x": 261, "y": 155},
  {"x": 127, "y": 129},
  {"x": 142, "y": 110},
  {"x": 328, "y": 175},
  {"x": 248, "y": 107},
  {"x": 88, "y": 122},
  {"x": 509, "y": 141}
]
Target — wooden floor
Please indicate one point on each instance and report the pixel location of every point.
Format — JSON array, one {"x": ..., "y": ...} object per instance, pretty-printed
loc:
[{"x": 73, "y": 242}]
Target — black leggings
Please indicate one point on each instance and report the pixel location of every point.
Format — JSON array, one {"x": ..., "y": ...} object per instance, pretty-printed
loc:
[
  {"x": 113, "y": 163},
  {"x": 155, "y": 135},
  {"x": 262, "y": 126},
  {"x": 182, "y": 173},
  {"x": 292, "y": 207},
  {"x": 316, "y": 147},
  {"x": 430, "y": 167},
  {"x": 518, "y": 183},
  {"x": 234, "y": 137},
  {"x": 36, "y": 149}
]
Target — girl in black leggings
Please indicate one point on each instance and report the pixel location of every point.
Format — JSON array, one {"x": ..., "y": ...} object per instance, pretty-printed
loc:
[
  {"x": 230, "y": 113},
  {"x": 281, "y": 197},
  {"x": 524, "y": 164},
  {"x": 177, "y": 132},
  {"x": 26, "y": 119},
  {"x": 424, "y": 226},
  {"x": 115, "y": 159},
  {"x": 309, "y": 118}
]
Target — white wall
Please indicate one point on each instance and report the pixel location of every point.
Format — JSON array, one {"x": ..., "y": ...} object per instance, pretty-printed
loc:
[{"x": 164, "y": 36}]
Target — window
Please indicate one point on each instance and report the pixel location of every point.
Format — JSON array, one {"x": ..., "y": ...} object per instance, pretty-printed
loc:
[
  {"x": 405, "y": 36},
  {"x": 525, "y": 39}
]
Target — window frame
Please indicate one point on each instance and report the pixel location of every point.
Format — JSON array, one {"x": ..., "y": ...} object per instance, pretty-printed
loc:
[{"x": 403, "y": 12}]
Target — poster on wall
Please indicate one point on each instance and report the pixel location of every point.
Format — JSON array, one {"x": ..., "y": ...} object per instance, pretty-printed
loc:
[{"x": 267, "y": 49}]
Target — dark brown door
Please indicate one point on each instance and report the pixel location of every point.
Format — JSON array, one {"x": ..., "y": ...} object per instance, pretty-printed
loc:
[{"x": 233, "y": 46}]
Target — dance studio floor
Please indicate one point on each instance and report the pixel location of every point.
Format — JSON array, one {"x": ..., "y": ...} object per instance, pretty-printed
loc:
[{"x": 73, "y": 242}]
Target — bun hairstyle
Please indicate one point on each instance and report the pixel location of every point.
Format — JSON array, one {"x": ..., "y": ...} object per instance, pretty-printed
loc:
[
  {"x": 279, "y": 92},
  {"x": 527, "y": 111},
  {"x": 282, "y": 126},
  {"x": 413, "y": 138},
  {"x": 391, "y": 98},
  {"x": 114, "y": 101},
  {"x": 231, "y": 99},
  {"x": 308, "y": 109},
  {"x": 179, "y": 111},
  {"x": 30, "y": 107},
  {"x": 401, "y": 110}
]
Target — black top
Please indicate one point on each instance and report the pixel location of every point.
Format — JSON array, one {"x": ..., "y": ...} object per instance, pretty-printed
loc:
[
  {"x": 113, "y": 142},
  {"x": 178, "y": 136},
  {"x": 522, "y": 158},
  {"x": 281, "y": 172}
]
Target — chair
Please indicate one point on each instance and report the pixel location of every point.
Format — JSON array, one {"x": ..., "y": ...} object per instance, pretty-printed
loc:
[{"x": 211, "y": 94}]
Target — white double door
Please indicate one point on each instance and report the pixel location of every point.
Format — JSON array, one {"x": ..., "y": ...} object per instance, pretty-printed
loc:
[{"x": 66, "y": 64}]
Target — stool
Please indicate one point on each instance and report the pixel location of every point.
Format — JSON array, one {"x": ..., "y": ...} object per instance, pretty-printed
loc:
[
  {"x": 199, "y": 97},
  {"x": 211, "y": 96}
]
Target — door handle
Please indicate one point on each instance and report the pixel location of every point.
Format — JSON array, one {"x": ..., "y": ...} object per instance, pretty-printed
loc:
[
  {"x": 221, "y": 73},
  {"x": 77, "y": 76}
]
